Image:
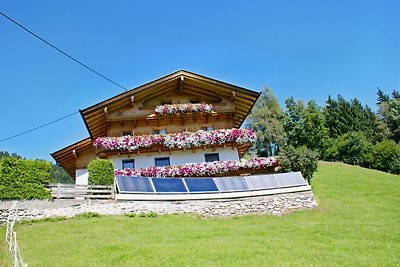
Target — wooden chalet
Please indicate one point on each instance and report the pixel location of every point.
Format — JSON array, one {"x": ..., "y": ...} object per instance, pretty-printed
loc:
[{"x": 132, "y": 113}]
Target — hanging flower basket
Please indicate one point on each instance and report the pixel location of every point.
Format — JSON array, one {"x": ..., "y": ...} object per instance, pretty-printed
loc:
[
  {"x": 183, "y": 140},
  {"x": 215, "y": 168},
  {"x": 184, "y": 108}
]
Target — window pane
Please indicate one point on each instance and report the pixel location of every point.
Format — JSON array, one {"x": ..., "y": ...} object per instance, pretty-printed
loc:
[
  {"x": 128, "y": 164},
  {"x": 212, "y": 157},
  {"x": 159, "y": 162}
]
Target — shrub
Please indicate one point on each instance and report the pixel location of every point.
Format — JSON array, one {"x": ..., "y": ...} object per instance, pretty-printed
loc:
[
  {"x": 386, "y": 156},
  {"x": 298, "y": 159},
  {"x": 24, "y": 179},
  {"x": 101, "y": 172},
  {"x": 352, "y": 147}
]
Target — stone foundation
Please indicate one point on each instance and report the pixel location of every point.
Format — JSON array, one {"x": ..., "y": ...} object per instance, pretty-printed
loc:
[{"x": 271, "y": 204}]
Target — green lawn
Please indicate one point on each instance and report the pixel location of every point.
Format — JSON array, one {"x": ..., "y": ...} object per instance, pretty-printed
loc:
[{"x": 357, "y": 224}]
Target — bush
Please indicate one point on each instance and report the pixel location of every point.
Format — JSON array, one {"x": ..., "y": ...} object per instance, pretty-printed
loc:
[
  {"x": 298, "y": 159},
  {"x": 101, "y": 172},
  {"x": 352, "y": 147},
  {"x": 24, "y": 179},
  {"x": 386, "y": 156}
]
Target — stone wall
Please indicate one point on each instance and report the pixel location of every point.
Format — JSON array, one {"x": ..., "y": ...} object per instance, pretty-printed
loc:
[{"x": 271, "y": 204}]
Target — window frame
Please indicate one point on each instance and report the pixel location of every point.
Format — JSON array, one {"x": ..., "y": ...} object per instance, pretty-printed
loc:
[
  {"x": 162, "y": 158},
  {"x": 211, "y": 155},
  {"x": 127, "y": 161}
]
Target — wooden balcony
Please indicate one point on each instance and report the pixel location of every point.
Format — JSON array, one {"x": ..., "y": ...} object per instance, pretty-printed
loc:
[
  {"x": 149, "y": 115},
  {"x": 242, "y": 148}
]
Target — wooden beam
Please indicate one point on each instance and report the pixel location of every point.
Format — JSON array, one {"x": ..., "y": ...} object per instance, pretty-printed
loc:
[{"x": 132, "y": 101}]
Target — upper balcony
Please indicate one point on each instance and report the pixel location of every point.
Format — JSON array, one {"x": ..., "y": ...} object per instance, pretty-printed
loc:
[{"x": 169, "y": 114}]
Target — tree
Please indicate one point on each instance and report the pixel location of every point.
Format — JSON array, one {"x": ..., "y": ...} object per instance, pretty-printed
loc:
[
  {"x": 266, "y": 120},
  {"x": 315, "y": 132},
  {"x": 293, "y": 122},
  {"x": 389, "y": 112}
]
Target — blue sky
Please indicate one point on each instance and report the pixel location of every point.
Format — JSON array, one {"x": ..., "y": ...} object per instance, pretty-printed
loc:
[{"x": 305, "y": 49}]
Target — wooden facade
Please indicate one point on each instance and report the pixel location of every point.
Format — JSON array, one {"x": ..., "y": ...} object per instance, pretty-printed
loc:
[{"x": 132, "y": 113}]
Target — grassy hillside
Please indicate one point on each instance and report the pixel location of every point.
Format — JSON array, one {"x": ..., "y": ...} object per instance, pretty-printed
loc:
[{"x": 357, "y": 223}]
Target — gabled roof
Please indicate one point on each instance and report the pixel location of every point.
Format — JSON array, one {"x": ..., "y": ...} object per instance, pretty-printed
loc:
[
  {"x": 244, "y": 99},
  {"x": 66, "y": 157}
]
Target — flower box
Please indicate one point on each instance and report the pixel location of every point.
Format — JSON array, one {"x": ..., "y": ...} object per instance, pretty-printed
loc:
[
  {"x": 184, "y": 108},
  {"x": 185, "y": 140},
  {"x": 216, "y": 168}
]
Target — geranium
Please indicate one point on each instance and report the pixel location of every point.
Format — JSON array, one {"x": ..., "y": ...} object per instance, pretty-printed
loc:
[
  {"x": 184, "y": 108},
  {"x": 200, "y": 169},
  {"x": 178, "y": 140}
]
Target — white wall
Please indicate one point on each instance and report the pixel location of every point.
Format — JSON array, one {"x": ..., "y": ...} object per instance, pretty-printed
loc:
[
  {"x": 82, "y": 176},
  {"x": 176, "y": 157}
]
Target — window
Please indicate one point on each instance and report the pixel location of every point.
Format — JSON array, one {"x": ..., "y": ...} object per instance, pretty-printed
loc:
[
  {"x": 207, "y": 128},
  {"x": 195, "y": 101},
  {"x": 128, "y": 164},
  {"x": 166, "y": 102},
  {"x": 211, "y": 157},
  {"x": 126, "y": 133},
  {"x": 160, "y": 131},
  {"x": 160, "y": 162}
]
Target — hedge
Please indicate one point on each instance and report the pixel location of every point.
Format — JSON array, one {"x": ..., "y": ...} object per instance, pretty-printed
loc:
[
  {"x": 24, "y": 179},
  {"x": 101, "y": 172}
]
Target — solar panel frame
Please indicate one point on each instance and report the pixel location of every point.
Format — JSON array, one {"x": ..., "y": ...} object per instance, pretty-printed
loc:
[
  {"x": 261, "y": 182},
  {"x": 160, "y": 185},
  {"x": 290, "y": 179},
  {"x": 229, "y": 184},
  {"x": 197, "y": 181}
]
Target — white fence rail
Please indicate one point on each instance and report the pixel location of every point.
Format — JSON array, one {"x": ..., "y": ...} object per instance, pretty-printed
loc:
[
  {"x": 11, "y": 237},
  {"x": 82, "y": 191}
]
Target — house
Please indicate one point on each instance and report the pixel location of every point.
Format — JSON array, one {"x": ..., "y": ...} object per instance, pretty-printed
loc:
[{"x": 178, "y": 119}]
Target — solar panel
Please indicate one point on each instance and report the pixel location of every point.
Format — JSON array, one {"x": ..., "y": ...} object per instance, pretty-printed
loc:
[
  {"x": 169, "y": 185},
  {"x": 236, "y": 183},
  {"x": 201, "y": 185},
  {"x": 290, "y": 179},
  {"x": 134, "y": 184},
  {"x": 259, "y": 182}
]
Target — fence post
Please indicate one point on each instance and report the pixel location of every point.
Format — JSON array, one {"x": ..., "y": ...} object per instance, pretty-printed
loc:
[{"x": 58, "y": 190}]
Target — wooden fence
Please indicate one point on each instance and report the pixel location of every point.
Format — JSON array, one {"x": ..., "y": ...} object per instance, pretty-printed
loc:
[{"x": 82, "y": 191}]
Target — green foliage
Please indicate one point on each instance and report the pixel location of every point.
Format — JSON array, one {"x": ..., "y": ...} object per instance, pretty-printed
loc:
[
  {"x": 59, "y": 175},
  {"x": 300, "y": 159},
  {"x": 304, "y": 126},
  {"x": 88, "y": 215},
  {"x": 390, "y": 115},
  {"x": 101, "y": 172},
  {"x": 385, "y": 156},
  {"x": 266, "y": 121},
  {"x": 24, "y": 179},
  {"x": 342, "y": 116},
  {"x": 5, "y": 154},
  {"x": 352, "y": 148}
]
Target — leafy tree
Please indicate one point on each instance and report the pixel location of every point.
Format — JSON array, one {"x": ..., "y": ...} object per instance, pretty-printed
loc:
[
  {"x": 390, "y": 116},
  {"x": 294, "y": 122},
  {"x": 59, "y": 175},
  {"x": 298, "y": 159},
  {"x": 265, "y": 119}
]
